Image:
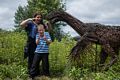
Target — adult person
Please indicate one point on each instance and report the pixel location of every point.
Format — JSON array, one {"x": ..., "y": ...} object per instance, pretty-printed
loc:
[
  {"x": 43, "y": 40},
  {"x": 30, "y": 26}
]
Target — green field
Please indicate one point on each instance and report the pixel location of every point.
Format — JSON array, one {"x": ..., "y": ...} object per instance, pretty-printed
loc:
[{"x": 14, "y": 67}]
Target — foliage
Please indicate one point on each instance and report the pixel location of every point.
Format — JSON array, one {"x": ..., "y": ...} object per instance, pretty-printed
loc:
[
  {"x": 11, "y": 55},
  {"x": 45, "y": 6},
  {"x": 13, "y": 71},
  {"x": 21, "y": 14},
  {"x": 13, "y": 66},
  {"x": 42, "y": 6},
  {"x": 59, "y": 54}
]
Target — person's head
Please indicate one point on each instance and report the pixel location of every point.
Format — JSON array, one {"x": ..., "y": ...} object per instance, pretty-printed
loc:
[
  {"x": 37, "y": 18},
  {"x": 41, "y": 29}
]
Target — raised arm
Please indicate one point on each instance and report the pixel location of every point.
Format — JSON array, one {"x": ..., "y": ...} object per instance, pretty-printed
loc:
[{"x": 24, "y": 23}]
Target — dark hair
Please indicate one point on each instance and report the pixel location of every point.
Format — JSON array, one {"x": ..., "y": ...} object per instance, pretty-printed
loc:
[
  {"x": 37, "y": 13},
  {"x": 41, "y": 22}
]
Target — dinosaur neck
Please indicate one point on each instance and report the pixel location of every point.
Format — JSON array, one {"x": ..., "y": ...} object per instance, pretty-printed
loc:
[{"x": 76, "y": 24}]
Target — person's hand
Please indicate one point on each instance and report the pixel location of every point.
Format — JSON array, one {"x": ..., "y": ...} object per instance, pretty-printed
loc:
[
  {"x": 24, "y": 23},
  {"x": 45, "y": 38},
  {"x": 39, "y": 37},
  {"x": 30, "y": 19}
]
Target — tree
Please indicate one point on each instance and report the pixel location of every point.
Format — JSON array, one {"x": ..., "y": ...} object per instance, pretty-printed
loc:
[
  {"x": 43, "y": 6},
  {"x": 21, "y": 14}
]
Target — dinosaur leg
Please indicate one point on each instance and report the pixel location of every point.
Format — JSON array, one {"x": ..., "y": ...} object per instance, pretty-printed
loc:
[
  {"x": 116, "y": 49},
  {"x": 108, "y": 49},
  {"x": 80, "y": 46},
  {"x": 103, "y": 57}
]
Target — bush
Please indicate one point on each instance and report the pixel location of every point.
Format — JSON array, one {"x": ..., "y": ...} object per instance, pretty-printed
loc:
[{"x": 12, "y": 65}]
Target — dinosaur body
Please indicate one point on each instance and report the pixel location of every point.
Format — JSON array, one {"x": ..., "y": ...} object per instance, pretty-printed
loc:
[{"x": 107, "y": 36}]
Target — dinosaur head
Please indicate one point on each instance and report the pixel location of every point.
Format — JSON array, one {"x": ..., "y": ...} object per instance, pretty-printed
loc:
[{"x": 55, "y": 16}]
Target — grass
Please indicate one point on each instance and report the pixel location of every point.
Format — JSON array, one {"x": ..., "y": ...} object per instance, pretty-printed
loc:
[{"x": 13, "y": 66}]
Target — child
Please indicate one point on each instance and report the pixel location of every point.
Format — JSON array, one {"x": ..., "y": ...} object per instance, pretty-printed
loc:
[{"x": 43, "y": 40}]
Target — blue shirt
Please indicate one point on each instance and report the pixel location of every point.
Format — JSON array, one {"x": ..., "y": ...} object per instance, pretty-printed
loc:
[
  {"x": 31, "y": 29},
  {"x": 42, "y": 46}
]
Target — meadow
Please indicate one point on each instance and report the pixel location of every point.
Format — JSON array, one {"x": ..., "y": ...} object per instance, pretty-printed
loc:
[{"x": 14, "y": 67}]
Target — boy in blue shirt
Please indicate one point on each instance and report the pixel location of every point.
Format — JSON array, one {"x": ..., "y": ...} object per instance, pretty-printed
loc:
[{"x": 43, "y": 40}]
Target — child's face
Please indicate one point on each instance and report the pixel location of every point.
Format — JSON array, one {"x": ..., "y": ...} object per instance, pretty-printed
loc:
[{"x": 41, "y": 31}]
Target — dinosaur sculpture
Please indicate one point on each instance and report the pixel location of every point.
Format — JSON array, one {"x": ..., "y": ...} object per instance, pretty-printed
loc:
[{"x": 107, "y": 36}]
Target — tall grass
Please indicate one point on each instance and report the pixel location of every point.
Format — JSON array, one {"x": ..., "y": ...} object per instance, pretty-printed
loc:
[{"x": 13, "y": 66}]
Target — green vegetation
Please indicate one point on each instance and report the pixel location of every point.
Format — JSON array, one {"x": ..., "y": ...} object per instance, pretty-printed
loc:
[
  {"x": 44, "y": 7},
  {"x": 13, "y": 66}
]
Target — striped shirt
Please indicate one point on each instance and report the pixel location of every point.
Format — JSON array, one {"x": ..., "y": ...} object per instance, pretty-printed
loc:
[{"x": 42, "y": 46}]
